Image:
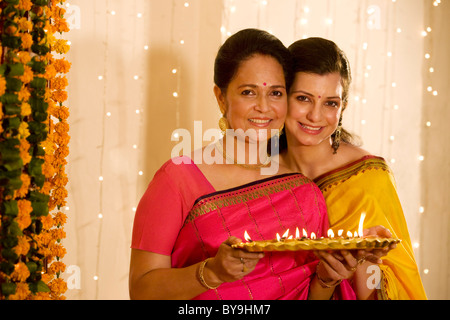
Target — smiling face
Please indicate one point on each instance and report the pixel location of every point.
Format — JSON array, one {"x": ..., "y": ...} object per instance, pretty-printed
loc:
[
  {"x": 256, "y": 97},
  {"x": 315, "y": 105}
]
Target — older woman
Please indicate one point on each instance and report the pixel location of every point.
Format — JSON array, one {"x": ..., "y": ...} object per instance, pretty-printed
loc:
[
  {"x": 352, "y": 180},
  {"x": 191, "y": 213}
]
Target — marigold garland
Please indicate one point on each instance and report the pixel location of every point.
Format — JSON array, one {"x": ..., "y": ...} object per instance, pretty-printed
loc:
[{"x": 33, "y": 147}]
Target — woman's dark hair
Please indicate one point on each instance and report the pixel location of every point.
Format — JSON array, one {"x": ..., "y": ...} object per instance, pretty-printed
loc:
[
  {"x": 322, "y": 56},
  {"x": 243, "y": 45}
]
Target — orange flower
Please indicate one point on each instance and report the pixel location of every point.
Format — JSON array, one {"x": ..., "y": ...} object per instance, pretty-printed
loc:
[
  {"x": 20, "y": 273},
  {"x": 23, "y": 246},
  {"x": 25, "y": 25},
  {"x": 24, "y": 94},
  {"x": 59, "y": 83},
  {"x": 61, "y": 46},
  {"x": 27, "y": 40},
  {"x": 22, "y": 292},
  {"x": 25, "y": 5},
  {"x": 47, "y": 221},
  {"x": 57, "y": 267},
  {"x": 23, "y": 190},
  {"x": 50, "y": 72},
  {"x": 24, "y": 57},
  {"x": 60, "y": 218},
  {"x": 23, "y": 218},
  {"x": 58, "y": 286},
  {"x": 61, "y": 112},
  {"x": 62, "y": 127},
  {"x": 59, "y": 251},
  {"x": 27, "y": 75},
  {"x": 59, "y": 96},
  {"x": 2, "y": 85},
  {"x": 25, "y": 109},
  {"x": 60, "y": 25},
  {"x": 62, "y": 65}
]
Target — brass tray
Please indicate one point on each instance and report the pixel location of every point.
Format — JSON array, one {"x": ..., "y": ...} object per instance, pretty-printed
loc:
[{"x": 316, "y": 244}]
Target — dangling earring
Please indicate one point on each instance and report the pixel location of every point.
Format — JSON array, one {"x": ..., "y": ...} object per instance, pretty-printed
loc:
[
  {"x": 337, "y": 136},
  {"x": 280, "y": 132},
  {"x": 223, "y": 125}
]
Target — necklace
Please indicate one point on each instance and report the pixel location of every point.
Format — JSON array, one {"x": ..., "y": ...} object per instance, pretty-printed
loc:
[{"x": 229, "y": 159}]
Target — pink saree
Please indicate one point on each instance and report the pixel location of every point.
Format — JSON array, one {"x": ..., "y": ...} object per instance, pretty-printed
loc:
[{"x": 262, "y": 208}]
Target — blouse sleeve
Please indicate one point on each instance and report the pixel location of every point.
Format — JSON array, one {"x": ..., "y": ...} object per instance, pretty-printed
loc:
[{"x": 159, "y": 215}]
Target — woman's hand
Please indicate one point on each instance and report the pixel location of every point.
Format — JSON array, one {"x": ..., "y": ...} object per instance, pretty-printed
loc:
[
  {"x": 374, "y": 255},
  {"x": 231, "y": 264},
  {"x": 336, "y": 266}
]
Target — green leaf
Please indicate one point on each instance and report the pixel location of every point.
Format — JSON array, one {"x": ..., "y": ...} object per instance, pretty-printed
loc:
[
  {"x": 10, "y": 98},
  {"x": 7, "y": 267},
  {"x": 10, "y": 208},
  {"x": 38, "y": 83},
  {"x": 8, "y": 288},
  {"x": 38, "y": 66},
  {"x": 39, "y": 286},
  {"x": 11, "y": 41},
  {"x": 40, "y": 2},
  {"x": 9, "y": 254},
  {"x": 40, "y": 49},
  {"x": 15, "y": 69},
  {"x": 32, "y": 266},
  {"x": 13, "y": 84},
  {"x": 14, "y": 229},
  {"x": 11, "y": 123},
  {"x": 12, "y": 109}
]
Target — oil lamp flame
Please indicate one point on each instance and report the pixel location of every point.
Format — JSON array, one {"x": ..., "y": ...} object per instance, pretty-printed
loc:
[
  {"x": 247, "y": 237},
  {"x": 278, "y": 237},
  {"x": 330, "y": 233},
  {"x": 286, "y": 234},
  {"x": 313, "y": 235},
  {"x": 305, "y": 234},
  {"x": 340, "y": 232},
  {"x": 297, "y": 233},
  {"x": 355, "y": 234},
  {"x": 361, "y": 223},
  {"x": 349, "y": 234}
]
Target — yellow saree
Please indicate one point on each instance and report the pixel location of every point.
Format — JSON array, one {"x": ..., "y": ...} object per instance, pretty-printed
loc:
[{"x": 367, "y": 185}]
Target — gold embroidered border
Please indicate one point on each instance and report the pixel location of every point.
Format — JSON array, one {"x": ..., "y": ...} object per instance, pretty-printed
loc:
[
  {"x": 245, "y": 194},
  {"x": 335, "y": 178}
]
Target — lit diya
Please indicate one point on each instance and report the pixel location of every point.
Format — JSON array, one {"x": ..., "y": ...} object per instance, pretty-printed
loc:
[{"x": 288, "y": 242}]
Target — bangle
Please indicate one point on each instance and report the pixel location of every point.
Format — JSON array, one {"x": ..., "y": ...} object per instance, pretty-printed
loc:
[
  {"x": 200, "y": 275},
  {"x": 323, "y": 284}
]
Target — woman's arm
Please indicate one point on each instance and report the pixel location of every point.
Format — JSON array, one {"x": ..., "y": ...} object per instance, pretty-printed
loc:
[{"x": 152, "y": 277}]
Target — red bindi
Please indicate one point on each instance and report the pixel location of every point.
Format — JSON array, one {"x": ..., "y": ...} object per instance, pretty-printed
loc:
[{"x": 264, "y": 84}]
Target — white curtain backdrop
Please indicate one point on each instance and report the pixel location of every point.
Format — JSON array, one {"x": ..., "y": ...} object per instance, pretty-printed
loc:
[{"x": 144, "y": 68}]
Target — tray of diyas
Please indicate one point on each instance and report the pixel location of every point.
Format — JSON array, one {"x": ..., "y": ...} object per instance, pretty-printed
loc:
[{"x": 316, "y": 244}]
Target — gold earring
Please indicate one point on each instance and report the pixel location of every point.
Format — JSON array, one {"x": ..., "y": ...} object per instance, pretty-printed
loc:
[
  {"x": 223, "y": 124},
  {"x": 337, "y": 136},
  {"x": 280, "y": 132}
]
